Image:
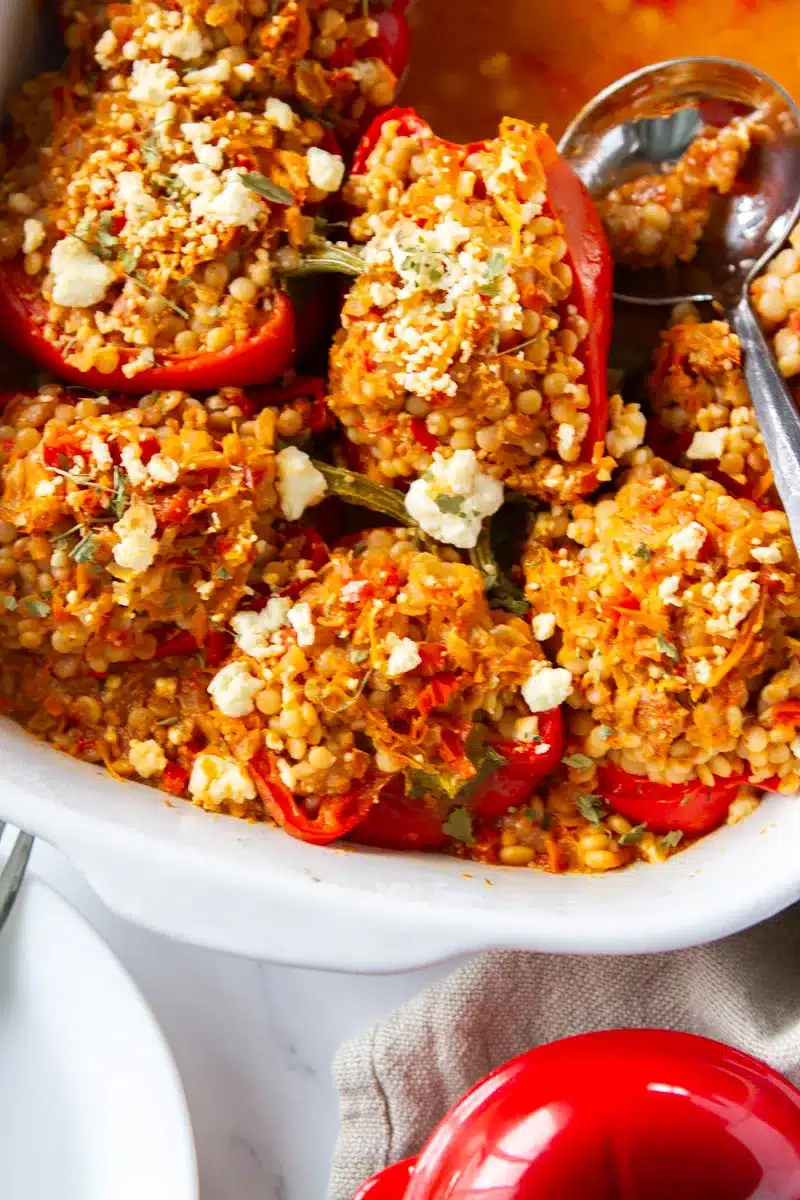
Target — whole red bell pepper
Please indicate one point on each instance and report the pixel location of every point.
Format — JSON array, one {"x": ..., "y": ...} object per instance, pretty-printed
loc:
[
  {"x": 588, "y": 255},
  {"x": 335, "y": 817},
  {"x": 260, "y": 358},
  {"x": 693, "y": 808},
  {"x": 526, "y": 766}
]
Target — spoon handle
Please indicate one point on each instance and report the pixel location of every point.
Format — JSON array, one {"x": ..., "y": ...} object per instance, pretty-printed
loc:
[{"x": 776, "y": 412}]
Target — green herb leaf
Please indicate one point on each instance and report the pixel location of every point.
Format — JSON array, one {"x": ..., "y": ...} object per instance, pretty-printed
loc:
[
  {"x": 265, "y": 188},
  {"x": 577, "y": 760},
  {"x": 644, "y": 552},
  {"x": 429, "y": 783},
  {"x": 534, "y": 814},
  {"x": 546, "y": 821},
  {"x": 120, "y": 494},
  {"x": 10, "y": 603},
  {"x": 84, "y": 550},
  {"x": 168, "y": 721},
  {"x": 37, "y": 608},
  {"x": 605, "y": 731},
  {"x": 591, "y": 807},
  {"x": 495, "y": 270},
  {"x": 329, "y": 260},
  {"x": 459, "y": 826},
  {"x": 223, "y": 573},
  {"x": 667, "y": 647},
  {"x": 501, "y": 592},
  {"x": 136, "y": 277},
  {"x": 129, "y": 262},
  {"x": 450, "y": 504},
  {"x": 633, "y": 835},
  {"x": 670, "y": 840},
  {"x": 358, "y": 654}
]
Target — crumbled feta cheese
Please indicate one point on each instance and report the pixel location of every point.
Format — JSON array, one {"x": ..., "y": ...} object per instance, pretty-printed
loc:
[
  {"x": 211, "y": 157},
  {"x": 132, "y": 462},
  {"x": 565, "y": 439},
  {"x": 325, "y": 170},
  {"x": 137, "y": 547},
  {"x": 688, "y": 540},
  {"x": 46, "y": 487},
  {"x": 299, "y": 617},
  {"x": 628, "y": 426},
  {"x": 546, "y": 687},
  {"x": 33, "y": 235},
  {"x": 104, "y": 49},
  {"x": 279, "y": 113},
  {"x": 452, "y": 499},
  {"x": 404, "y": 655},
  {"x": 218, "y": 72},
  {"x": 253, "y": 629},
  {"x": 147, "y": 758},
  {"x": 543, "y": 626},
  {"x": 185, "y": 43},
  {"x": 80, "y": 278},
  {"x": 205, "y": 588},
  {"x": 139, "y": 204},
  {"x": 216, "y": 780},
  {"x": 668, "y": 588},
  {"x": 382, "y": 294},
  {"x": 702, "y": 671},
  {"x": 100, "y": 453},
  {"x": 236, "y": 204},
  {"x": 708, "y": 445},
  {"x": 163, "y": 469},
  {"x": 233, "y": 689},
  {"x": 733, "y": 599},
  {"x": 767, "y": 554},
  {"x": 299, "y": 482},
  {"x": 196, "y": 131},
  {"x": 153, "y": 82}
]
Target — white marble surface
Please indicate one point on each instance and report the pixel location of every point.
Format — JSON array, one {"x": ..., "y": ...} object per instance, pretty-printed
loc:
[{"x": 254, "y": 1045}]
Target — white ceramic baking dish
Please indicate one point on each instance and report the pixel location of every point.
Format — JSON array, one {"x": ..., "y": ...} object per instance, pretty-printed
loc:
[{"x": 255, "y": 891}]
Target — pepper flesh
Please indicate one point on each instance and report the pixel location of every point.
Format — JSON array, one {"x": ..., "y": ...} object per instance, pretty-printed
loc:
[
  {"x": 588, "y": 255},
  {"x": 263, "y": 356},
  {"x": 692, "y": 808}
]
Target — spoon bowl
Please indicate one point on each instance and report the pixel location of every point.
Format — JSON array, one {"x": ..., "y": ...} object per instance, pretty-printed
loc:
[
  {"x": 646, "y": 121},
  {"x": 641, "y": 125}
]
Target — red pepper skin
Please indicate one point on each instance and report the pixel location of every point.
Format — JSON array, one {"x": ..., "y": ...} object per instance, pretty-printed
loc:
[
  {"x": 310, "y": 387},
  {"x": 588, "y": 254},
  {"x": 336, "y": 815},
  {"x": 392, "y": 43},
  {"x": 437, "y": 692},
  {"x": 174, "y": 779},
  {"x": 399, "y": 823},
  {"x": 181, "y": 642},
  {"x": 787, "y": 713},
  {"x": 259, "y": 359},
  {"x": 511, "y": 785},
  {"x": 694, "y": 808},
  {"x": 422, "y": 435}
]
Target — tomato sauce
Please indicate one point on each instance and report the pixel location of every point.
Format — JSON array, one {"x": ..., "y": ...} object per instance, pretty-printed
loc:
[{"x": 477, "y": 60}]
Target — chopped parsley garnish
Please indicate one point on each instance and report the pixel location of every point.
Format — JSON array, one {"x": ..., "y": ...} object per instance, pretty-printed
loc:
[
  {"x": 37, "y": 608},
  {"x": 120, "y": 494},
  {"x": 591, "y": 807},
  {"x": 358, "y": 654},
  {"x": 579, "y": 761},
  {"x": 223, "y": 573},
  {"x": 605, "y": 731},
  {"x": 9, "y": 603},
  {"x": 495, "y": 270},
  {"x": 84, "y": 550},
  {"x": 451, "y": 504},
  {"x": 265, "y": 188},
  {"x": 670, "y": 840},
  {"x": 633, "y": 835},
  {"x": 644, "y": 552},
  {"x": 667, "y": 647},
  {"x": 459, "y": 826}
]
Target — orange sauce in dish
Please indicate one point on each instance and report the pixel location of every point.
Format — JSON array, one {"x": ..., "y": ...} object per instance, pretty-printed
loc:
[{"x": 474, "y": 61}]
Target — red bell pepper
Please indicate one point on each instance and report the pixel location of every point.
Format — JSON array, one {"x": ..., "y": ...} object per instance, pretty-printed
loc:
[
  {"x": 398, "y": 823},
  {"x": 311, "y": 387},
  {"x": 174, "y": 779},
  {"x": 694, "y": 807},
  {"x": 787, "y": 713},
  {"x": 264, "y": 355},
  {"x": 336, "y": 815},
  {"x": 528, "y": 763},
  {"x": 588, "y": 254},
  {"x": 437, "y": 692}
]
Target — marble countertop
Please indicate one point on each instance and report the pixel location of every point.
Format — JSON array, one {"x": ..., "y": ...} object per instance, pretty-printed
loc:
[{"x": 253, "y": 1042}]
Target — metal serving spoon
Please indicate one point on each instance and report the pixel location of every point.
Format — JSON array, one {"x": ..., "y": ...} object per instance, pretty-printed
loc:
[{"x": 647, "y": 120}]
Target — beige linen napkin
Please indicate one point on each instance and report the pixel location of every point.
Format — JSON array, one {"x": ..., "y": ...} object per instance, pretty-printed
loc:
[{"x": 397, "y": 1079}]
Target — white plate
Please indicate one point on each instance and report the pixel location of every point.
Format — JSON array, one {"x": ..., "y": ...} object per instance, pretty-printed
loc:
[{"x": 91, "y": 1104}]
